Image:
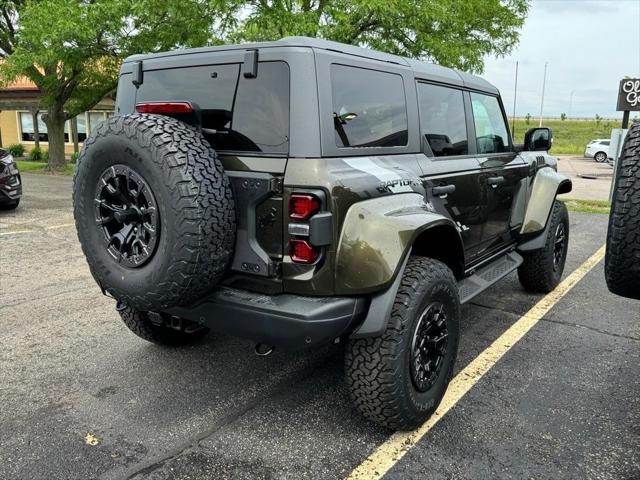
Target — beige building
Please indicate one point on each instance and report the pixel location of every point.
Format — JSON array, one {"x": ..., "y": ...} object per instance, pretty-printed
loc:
[{"x": 21, "y": 119}]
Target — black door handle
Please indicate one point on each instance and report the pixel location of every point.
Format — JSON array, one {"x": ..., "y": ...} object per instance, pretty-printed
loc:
[
  {"x": 495, "y": 181},
  {"x": 443, "y": 190}
]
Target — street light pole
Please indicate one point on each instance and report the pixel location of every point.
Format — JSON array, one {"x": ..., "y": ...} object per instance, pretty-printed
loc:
[
  {"x": 515, "y": 94},
  {"x": 571, "y": 101},
  {"x": 544, "y": 82}
]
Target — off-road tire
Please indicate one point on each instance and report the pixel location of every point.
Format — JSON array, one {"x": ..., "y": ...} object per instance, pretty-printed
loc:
[
  {"x": 622, "y": 258},
  {"x": 600, "y": 157},
  {"x": 378, "y": 369},
  {"x": 12, "y": 205},
  {"x": 155, "y": 328},
  {"x": 194, "y": 202},
  {"x": 539, "y": 273}
]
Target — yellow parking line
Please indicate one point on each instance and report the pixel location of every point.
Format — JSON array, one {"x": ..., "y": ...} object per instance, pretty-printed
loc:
[
  {"x": 63, "y": 225},
  {"x": 391, "y": 451},
  {"x": 15, "y": 232}
]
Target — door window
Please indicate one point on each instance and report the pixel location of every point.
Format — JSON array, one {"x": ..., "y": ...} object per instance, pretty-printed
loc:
[
  {"x": 369, "y": 108},
  {"x": 492, "y": 135},
  {"x": 442, "y": 120}
]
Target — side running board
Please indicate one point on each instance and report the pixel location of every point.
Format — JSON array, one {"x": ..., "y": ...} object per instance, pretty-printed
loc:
[{"x": 486, "y": 276}]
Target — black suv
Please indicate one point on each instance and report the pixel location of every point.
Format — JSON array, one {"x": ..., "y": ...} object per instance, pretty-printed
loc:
[
  {"x": 10, "y": 182},
  {"x": 305, "y": 192}
]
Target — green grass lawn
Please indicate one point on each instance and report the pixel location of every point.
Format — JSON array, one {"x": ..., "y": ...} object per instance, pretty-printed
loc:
[
  {"x": 569, "y": 136},
  {"x": 588, "y": 206},
  {"x": 41, "y": 167}
]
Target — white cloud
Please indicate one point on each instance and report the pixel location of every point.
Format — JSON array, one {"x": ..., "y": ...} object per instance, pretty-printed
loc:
[{"x": 590, "y": 46}]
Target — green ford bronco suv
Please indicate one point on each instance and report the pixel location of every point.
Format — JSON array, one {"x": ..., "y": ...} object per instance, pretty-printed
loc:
[{"x": 304, "y": 192}]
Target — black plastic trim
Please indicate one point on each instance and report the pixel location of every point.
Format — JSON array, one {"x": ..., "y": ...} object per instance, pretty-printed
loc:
[
  {"x": 321, "y": 229},
  {"x": 285, "y": 320}
]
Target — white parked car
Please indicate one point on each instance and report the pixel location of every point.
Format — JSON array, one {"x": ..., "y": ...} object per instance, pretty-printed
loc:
[{"x": 598, "y": 150}]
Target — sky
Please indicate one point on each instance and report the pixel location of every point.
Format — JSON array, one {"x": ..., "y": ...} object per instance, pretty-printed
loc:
[{"x": 590, "y": 45}]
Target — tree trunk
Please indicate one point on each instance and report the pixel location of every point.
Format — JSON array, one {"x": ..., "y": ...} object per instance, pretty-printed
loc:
[
  {"x": 36, "y": 129},
  {"x": 55, "y": 127},
  {"x": 74, "y": 134}
]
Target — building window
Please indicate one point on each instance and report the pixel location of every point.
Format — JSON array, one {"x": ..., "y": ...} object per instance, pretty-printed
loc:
[
  {"x": 95, "y": 118},
  {"x": 27, "y": 130},
  {"x": 86, "y": 123},
  {"x": 82, "y": 127}
]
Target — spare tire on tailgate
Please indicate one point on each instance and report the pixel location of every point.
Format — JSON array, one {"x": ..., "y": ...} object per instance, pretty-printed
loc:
[{"x": 154, "y": 211}]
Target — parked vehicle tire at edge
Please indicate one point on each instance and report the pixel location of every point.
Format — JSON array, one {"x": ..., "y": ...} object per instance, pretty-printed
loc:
[
  {"x": 600, "y": 157},
  {"x": 542, "y": 269},
  {"x": 622, "y": 258},
  {"x": 399, "y": 378}
]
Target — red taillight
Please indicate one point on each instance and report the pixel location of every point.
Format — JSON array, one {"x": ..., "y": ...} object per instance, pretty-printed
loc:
[
  {"x": 164, "y": 108},
  {"x": 302, "y": 251},
  {"x": 303, "y": 206}
]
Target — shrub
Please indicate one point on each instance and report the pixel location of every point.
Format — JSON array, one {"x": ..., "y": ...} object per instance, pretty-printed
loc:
[
  {"x": 17, "y": 149},
  {"x": 74, "y": 157},
  {"x": 563, "y": 116},
  {"x": 37, "y": 155}
]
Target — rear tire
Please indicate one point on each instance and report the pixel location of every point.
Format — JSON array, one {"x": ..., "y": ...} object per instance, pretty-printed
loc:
[
  {"x": 622, "y": 258},
  {"x": 399, "y": 378},
  {"x": 161, "y": 329},
  {"x": 542, "y": 269}
]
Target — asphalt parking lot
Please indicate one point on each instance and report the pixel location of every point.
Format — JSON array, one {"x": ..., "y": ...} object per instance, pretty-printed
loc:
[{"x": 564, "y": 402}]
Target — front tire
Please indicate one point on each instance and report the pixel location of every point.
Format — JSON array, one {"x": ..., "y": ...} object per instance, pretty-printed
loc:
[
  {"x": 10, "y": 205},
  {"x": 161, "y": 329},
  {"x": 399, "y": 378},
  {"x": 600, "y": 157},
  {"x": 542, "y": 269}
]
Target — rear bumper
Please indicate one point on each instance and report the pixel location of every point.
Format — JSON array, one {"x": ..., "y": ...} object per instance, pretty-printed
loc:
[
  {"x": 284, "y": 320},
  {"x": 10, "y": 183}
]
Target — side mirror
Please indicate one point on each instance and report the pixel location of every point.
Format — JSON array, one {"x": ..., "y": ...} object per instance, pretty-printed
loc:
[{"x": 538, "y": 139}]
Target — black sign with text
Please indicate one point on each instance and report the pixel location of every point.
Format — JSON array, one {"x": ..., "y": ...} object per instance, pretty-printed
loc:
[{"x": 629, "y": 95}]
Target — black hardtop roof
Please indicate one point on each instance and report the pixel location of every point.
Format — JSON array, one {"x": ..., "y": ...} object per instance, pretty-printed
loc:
[{"x": 421, "y": 69}]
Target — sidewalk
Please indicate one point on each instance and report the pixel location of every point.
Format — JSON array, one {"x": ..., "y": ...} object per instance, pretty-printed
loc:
[{"x": 591, "y": 180}]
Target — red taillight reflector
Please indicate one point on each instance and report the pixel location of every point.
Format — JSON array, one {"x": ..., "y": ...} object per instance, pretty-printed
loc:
[
  {"x": 302, "y": 251},
  {"x": 303, "y": 206},
  {"x": 164, "y": 108}
]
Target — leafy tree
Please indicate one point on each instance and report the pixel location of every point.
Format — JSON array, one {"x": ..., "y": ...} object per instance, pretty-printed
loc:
[
  {"x": 563, "y": 116},
  {"x": 528, "y": 119},
  {"x": 455, "y": 33},
  {"x": 71, "y": 49}
]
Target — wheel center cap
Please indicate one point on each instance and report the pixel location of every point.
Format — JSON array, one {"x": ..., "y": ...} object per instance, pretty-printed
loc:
[{"x": 126, "y": 216}]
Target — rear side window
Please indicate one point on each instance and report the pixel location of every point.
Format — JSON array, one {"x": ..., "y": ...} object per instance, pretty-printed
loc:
[
  {"x": 369, "y": 108},
  {"x": 442, "y": 120},
  {"x": 241, "y": 114},
  {"x": 491, "y": 130},
  {"x": 606, "y": 142}
]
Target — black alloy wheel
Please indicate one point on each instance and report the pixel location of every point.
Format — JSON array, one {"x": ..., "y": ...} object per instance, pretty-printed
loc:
[
  {"x": 559, "y": 247},
  {"x": 429, "y": 346},
  {"x": 127, "y": 213}
]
